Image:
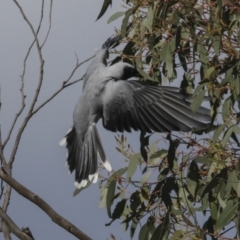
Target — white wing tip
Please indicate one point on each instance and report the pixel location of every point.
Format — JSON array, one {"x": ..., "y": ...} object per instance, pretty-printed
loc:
[
  {"x": 63, "y": 142},
  {"x": 83, "y": 183},
  {"x": 93, "y": 177},
  {"x": 107, "y": 165}
]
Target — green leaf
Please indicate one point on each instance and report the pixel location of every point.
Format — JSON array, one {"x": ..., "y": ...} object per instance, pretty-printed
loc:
[
  {"x": 227, "y": 135},
  {"x": 105, "y": 6},
  {"x": 203, "y": 160},
  {"x": 232, "y": 181},
  {"x": 202, "y": 53},
  {"x": 177, "y": 235},
  {"x": 120, "y": 171},
  {"x": 145, "y": 177},
  {"x": 144, "y": 194},
  {"x": 149, "y": 19},
  {"x": 178, "y": 37},
  {"x": 216, "y": 44},
  {"x": 144, "y": 142},
  {"x": 133, "y": 227},
  {"x": 144, "y": 233},
  {"x": 118, "y": 211},
  {"x": 226, "y": 215},
  {"x": 197, "y": 101},
  {"x": 77, "y": 190},
  {"x": 171, "y": 152},
  {"x": 198, "y": 89},
  {"x": 103, "y": 196},
  {"x": 110, "y": 196},
  {"x": 159, "y": 154},
  {"x": 166, "y": 56},
  {"x": 139, "y": 64},
  {"x": 215, "y": 181},
  {"x": 236, "y": 129},
  {"x": 182, "y": 59},
  {"x": 115, "y": 16},
  {"x": 210, "y": 73},
  {"x": 226, "y": 109},
  {"x": 132, "y": 166},
  {"x": 193, "y": 178},
  {"x": 218, "y": 132},
  {"x": 135, "y": 201},
  {"x": 162, "y": 229},
  {"x": 125, "y": 22}
]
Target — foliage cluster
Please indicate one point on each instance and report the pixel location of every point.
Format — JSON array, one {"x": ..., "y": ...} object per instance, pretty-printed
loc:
[{"x": 190, "y": 189}]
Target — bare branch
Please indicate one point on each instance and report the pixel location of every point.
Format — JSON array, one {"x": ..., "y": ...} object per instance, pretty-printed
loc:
[
  {"x": 2, "y": 158},
  {"x": 19, "y": 134},
  {"x": 13, "y": 227},
  {"x": 5, "y": 230},
  {"x": 64, "y": 85},
  {"x": 58, "y": 219},
  {"x": 24, "y": 69},
  {"x": 50, "y": 24}
]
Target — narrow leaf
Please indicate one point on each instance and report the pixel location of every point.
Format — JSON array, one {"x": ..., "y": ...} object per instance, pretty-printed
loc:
[
  {"x": 197, "y": 101},
  {"x": 132, "y": 166},
  {"x": 144, "y": 233},
  {"x": 215, "y": 181},
  {"x": 125, "y": 22},
  {"x": 110, "y": 196},
  {"x": 105, "y": 6},
  {"x": 218, "y": 132},
  {"x": 227, "y": 135},
  {"x": 115, "y": 16},
  {"x": 161, "y": 229},
  {"x": 226, "y": 215},
  {"x": 145, "y": 177}
]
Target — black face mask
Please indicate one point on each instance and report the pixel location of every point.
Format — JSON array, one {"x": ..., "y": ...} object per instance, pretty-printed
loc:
[{"x": 130, "y": 72}]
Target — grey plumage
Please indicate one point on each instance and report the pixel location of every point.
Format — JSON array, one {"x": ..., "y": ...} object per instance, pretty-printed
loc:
[{"x": 123, "y": 105}]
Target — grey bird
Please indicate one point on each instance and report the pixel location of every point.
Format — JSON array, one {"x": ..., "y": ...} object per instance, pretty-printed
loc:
[{"x": 123, "y": 105}]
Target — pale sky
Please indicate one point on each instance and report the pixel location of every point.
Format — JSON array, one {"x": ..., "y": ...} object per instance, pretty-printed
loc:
[{"x": 40, "y": 161}]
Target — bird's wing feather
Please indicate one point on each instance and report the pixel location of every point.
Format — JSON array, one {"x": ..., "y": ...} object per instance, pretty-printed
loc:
[{"x": 135, "y": 105}]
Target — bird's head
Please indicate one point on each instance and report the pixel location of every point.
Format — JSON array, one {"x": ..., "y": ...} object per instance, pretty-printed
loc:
[{"x": 123, "y": 71}]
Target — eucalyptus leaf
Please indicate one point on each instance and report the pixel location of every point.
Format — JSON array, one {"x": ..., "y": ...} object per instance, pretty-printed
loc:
[
  {"x": 145, "y": 177},
  {"x": 161, "y": 229},
  {"x": 226, "y": 215},
  {"x": 104, "y": 8},
  {"x": 115, "y": 16},
  {"x": 144, "y": 233},
  {"x": 197, "y": 101},
  {"x": 132, "y": 166},
  {"x": 218, "y": 132},
  {"x": 110, "y": 196},
  {"x": 125, "y": 20}
]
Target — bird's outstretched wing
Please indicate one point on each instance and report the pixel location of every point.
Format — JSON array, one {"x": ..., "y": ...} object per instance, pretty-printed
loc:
[{"x": 135, "y": 105}]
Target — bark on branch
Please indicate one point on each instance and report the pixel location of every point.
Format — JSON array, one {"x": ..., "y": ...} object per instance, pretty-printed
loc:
[
  {"x": 58, "y": 219},
  {"x": 13, "y": 227}
]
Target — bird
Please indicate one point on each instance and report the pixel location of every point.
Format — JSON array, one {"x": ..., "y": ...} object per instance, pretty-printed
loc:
[{"x": 123, "y": 105}]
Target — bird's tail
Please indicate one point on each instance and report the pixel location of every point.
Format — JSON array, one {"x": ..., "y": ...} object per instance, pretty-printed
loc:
[{"x": 83, "y": 155}]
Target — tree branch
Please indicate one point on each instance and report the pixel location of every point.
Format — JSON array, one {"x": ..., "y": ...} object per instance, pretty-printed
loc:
[
  {"x": 58, "y": 219},
  {"x": 13, "y": 227},
  {"x": 65, "y": 84}
]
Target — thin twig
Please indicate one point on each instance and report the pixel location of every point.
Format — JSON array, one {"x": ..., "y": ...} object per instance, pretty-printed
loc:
[
  {"x": 20, "y": 131},
  {"x": 23, "y": 96},
  {"x": 13, "y": 227},
  {"x": 58, "y": 219},
  {"x": 49, "y": 25},
  {"x": 5, "y": 230},
  {"x": 65, "y": 84}
]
